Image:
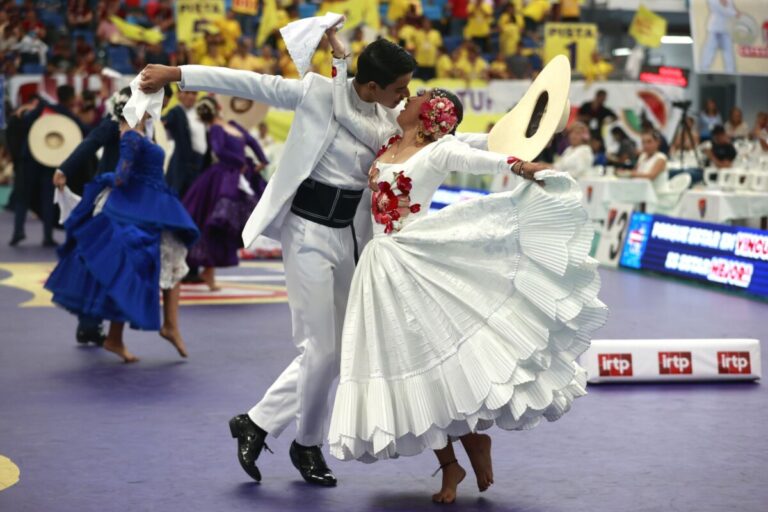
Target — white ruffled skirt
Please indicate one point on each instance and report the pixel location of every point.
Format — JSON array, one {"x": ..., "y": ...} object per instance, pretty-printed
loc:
[{"x": 470, "y": 317}]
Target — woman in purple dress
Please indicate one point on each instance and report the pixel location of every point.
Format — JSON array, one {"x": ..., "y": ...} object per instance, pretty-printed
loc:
[{"x": 223, "y": 197}]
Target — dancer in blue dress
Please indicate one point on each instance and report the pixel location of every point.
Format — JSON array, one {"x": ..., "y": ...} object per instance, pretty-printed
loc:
[{"x": 127, "y": 239}]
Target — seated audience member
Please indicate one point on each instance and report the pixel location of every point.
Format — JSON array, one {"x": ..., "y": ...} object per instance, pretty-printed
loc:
[
  {"x": 760, "y": 131},
  {"x": 627, "y": 151},
  {"x": 736, "y": 127},
  {"x": 578, "y": 157},
  {"x": 722, "y": 153},
  {"x": 652, "y": 164}
]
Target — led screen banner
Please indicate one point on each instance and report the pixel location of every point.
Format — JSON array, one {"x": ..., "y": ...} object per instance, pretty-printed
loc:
[
  {"x": 730, "y": 256},
  {"x": 730, "y": 36}
]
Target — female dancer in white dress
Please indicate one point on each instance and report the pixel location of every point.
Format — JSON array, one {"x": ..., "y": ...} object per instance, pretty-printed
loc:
[{"x": 464, "y": 318}]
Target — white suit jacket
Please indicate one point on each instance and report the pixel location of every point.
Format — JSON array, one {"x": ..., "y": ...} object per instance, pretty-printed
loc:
[{"x": 310, "y": 135}]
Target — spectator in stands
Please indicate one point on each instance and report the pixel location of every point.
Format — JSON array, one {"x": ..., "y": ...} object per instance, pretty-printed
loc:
[
  {"x": 736, "y": 127},
  {"x": 479, "y": 21},
  {"x": 356, "y": 47},
  {"x": 32, "y": 23},
  {"x": 267, "y": 63},
  {"x": 627, "y": 149},
  {"x": 598, "y": 149},
  {"x": 213, "y": 56},
  {"x": 31, "y": 48},
  {"x": 86, "y": 111},
  {"x": 578, "y": 156},
  {"x": 708, "y": 119},
  {"x": 79, "y": 15},
  {"x": 229, "y": 33},
  {"x": 595, "y": 114},
  {"x": 530, "y": 48},
  {"x": 652, "y": 164},
  {"x": 598, "y": 68},
  {"x": 286, "y": 65},
  {"x": 472, "y": 66},
  {"x": 10, "y": 38},
  {"x": 723, "y": 152},
  {"x": 511, "y": 25},
  {"x": 458, "y": 10},
  {"x": 535, "y": 13},
  {"x": 243, "y": 58},
  {"x": 445, "y": 66},
  {"x": 86, "y": 63},
  {"x": 647, "y": 126},
  {"x": 181, "y": 56},
  {"x": 322, "y": 61},
  {"x": 62, "y": 57},
  {"x": 498, "y": 69},
  {"x": 154, "y": 54},
  {"x": 161, "y": 15},
  {"x": 760, "y": 131},
  {"x": 426, "y": 41},
  {"x": 399, "y": 8},
  {"x": 405, "y": 33}
]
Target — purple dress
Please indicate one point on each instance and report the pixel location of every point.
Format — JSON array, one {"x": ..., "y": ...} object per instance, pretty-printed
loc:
[{"x": 216, "y": 203}]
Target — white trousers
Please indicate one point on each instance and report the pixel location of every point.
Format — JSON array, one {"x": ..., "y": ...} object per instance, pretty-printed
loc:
[
  {"x": 718, "y": 41},
  {"x": 319, "y": 265}
]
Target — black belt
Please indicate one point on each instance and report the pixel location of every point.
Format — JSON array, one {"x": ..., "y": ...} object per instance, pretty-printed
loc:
[{"x": 327, "y": 205}]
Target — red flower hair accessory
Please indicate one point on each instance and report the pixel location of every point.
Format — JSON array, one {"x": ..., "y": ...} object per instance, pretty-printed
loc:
[{"x": 438, "y": 116}]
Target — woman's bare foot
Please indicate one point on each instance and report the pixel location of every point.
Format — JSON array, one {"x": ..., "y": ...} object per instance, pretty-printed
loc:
[
  {"x": 453, "y": 474},
  {"x": 478, "y": 447},
  {"x": 117, "y": 347},
  {"x": 174, "y": 336},
  {"x": 209, "y": 277}
]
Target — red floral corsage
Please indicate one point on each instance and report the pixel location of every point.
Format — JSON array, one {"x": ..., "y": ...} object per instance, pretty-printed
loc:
[{"x": 386, "y": 203}]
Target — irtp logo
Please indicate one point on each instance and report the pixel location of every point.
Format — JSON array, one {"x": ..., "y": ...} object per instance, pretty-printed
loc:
[
  {"x": 589, "y": 193},
  {"x": 615, "y": 365},
  {"x": 675, "y": 363},
  {"x": 702, "y": 207},
  {"x": 733, "y": 362}
]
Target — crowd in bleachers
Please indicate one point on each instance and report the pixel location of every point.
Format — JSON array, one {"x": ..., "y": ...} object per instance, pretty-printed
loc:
[{"x": 449, "y": 38}]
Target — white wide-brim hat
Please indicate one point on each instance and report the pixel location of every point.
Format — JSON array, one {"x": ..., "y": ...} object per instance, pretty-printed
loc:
[
  {"x": 52, "y": 139},
  {"x": 246, "y": 113},
  {"x": 518, "y": 133}
]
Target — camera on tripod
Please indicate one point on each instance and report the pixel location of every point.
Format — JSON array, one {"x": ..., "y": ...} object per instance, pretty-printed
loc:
[{"x": 685, "y": 105}]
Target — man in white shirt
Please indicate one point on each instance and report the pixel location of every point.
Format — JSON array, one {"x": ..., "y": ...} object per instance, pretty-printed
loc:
[{"x": 310, "y": 205}]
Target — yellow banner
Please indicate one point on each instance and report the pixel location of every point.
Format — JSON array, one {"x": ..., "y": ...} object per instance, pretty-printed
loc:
[
  {"x": 248, "y": 7},
  {"x": 268, "y": 23},
  {"x": 137, "y": 33},
  {"x": 577, "y": 41},
  {"x": 193, "y": 16},
  {"x": 648, "y": 27}
]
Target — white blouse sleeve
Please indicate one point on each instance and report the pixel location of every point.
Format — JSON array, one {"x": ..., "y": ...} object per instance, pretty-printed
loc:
[
  {"x": 369, "y": 130},
  {"x": 451, "y": 154}
]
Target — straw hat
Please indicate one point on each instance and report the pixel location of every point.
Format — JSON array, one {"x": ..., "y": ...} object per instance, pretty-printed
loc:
[
  {"x": 52, "y": 139},
  {"x": 545, "y": 100},
  {"x": 247, "y": 113}
]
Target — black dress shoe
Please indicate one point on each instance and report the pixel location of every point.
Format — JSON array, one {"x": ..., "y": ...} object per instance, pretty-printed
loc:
[
  {"x": 16, "y": 239},
  {"x": 311, "y": 464},
  {"x": 250, "y": 442},
  {"x": 90, "y": 335},
  {"x": 50, "y": 242}
]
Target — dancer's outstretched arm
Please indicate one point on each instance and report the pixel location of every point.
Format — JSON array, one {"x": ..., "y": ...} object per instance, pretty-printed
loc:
[
  {"x": 270, "y": 89},
  {"x": 455, "y": 155}
]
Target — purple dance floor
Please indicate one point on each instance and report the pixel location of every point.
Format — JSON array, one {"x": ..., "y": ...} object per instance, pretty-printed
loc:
[{"x": 91, "y": 434}]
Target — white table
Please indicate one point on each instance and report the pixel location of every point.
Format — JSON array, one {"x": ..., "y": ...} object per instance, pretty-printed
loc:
[
  {"x": 720, "y": 206},
  {"x": 600, "y": 192}
]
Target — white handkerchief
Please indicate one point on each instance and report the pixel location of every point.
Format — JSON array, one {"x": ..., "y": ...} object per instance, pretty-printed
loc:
[
  {"x": 245, "y": 186},
  {"x": 302, "y": 37},
  {"x": 67, "y": 201},
  {"x": 141, "y": 102}
]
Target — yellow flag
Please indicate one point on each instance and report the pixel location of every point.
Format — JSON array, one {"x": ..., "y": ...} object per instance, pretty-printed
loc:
[
  {"x": 137, "y": 33},
  {"x": 648, "y": 27},
  {"x": 268, "y": 22}
]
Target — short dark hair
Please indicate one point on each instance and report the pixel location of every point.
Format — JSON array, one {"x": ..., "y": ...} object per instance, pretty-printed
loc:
[
  {"x": 383, "y": 62},
  {"x": 601, "y": 92},
  {"x": 65, "y": 93},
  {"x": 718, "y": 130}
]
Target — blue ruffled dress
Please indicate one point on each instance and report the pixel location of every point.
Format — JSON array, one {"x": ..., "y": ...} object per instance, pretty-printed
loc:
[{"x": 109, "y": 266}]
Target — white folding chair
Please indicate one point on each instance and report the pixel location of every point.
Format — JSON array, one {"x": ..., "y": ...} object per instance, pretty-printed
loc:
[{"x": 669, "y": 198}]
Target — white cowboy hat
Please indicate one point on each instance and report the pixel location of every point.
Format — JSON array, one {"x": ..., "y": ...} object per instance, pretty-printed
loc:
[
  {"x": 246, "y": 113},
  {"x": 517, "y": 133},
  {"x": 52, "y": 139}
]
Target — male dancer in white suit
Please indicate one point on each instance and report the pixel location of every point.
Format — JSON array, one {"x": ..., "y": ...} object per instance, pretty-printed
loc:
[{"x": 309, "y": 203}]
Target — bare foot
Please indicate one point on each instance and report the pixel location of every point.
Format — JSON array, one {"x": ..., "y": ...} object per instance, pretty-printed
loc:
[
  {"x": 478, "y": 448},
  {"x": 453, "y": 474},
  {"x": 118, "y": 348},
  {"x": 174, "y": 336},
  {"x": 209, "y": 278}
]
